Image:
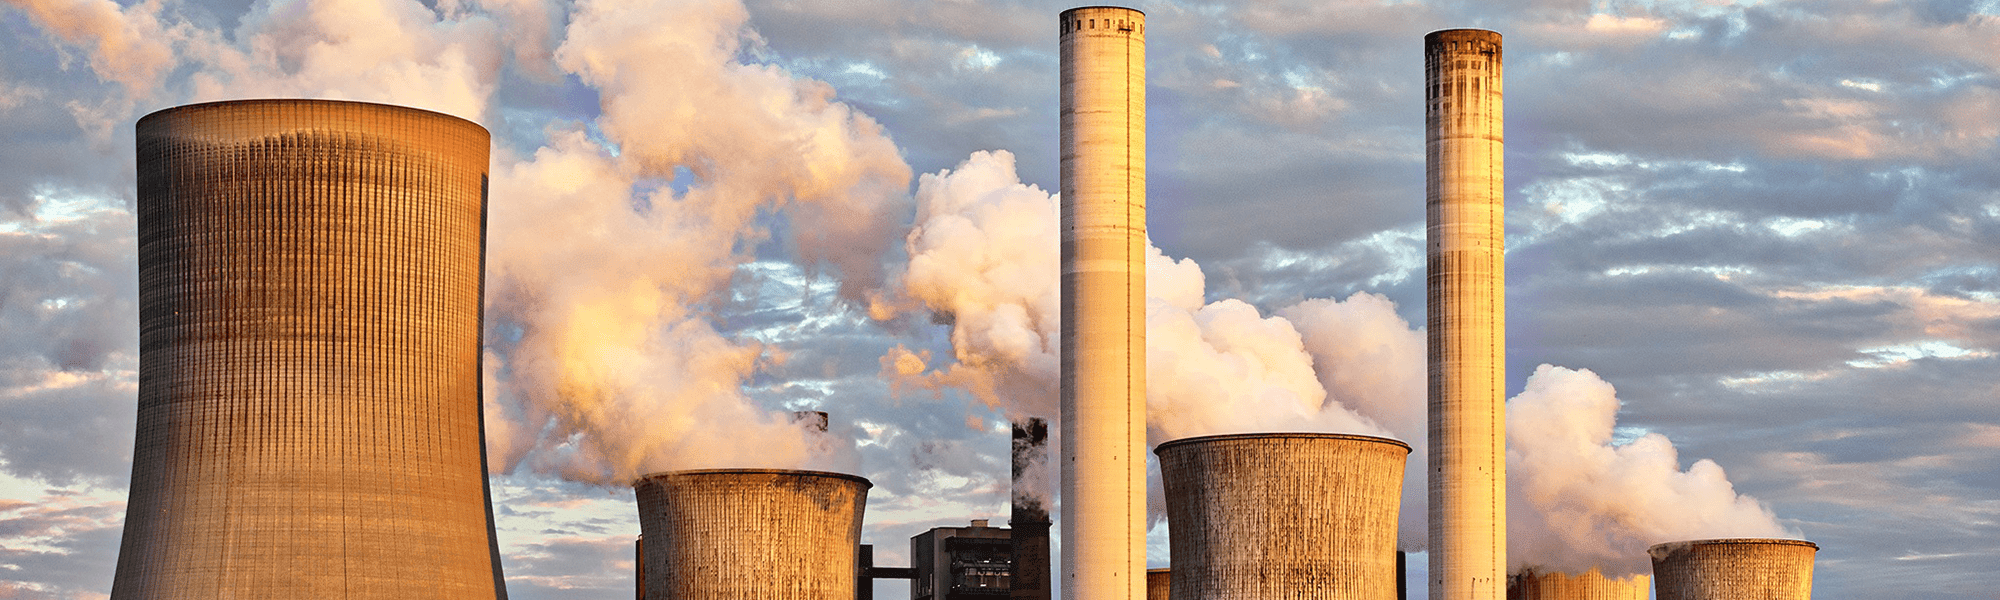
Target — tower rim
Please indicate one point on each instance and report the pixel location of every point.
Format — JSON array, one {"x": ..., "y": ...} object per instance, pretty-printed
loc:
[
  {"x": 1068, "y": 11},
  {"x": 213, "y": 104}
]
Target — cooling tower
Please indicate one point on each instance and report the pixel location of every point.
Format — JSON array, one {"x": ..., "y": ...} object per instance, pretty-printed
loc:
[
  {"x": 1283, "y": 515},
  {"x": 770, "y": 534},
  {"x": 1733, "y": 569},
  {"x": 309, "y": 421},
  {"x": 1030, "y": 518},
  {"x": 1103, "y": 302},
  {"x": 1533, "y": 585},
  {"x": 1467, "y": 315},
  {"x": 1159, "y": 584}
]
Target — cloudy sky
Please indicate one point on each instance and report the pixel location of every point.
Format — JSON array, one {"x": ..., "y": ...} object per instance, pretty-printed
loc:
[{"x": 1764, "y": 234}]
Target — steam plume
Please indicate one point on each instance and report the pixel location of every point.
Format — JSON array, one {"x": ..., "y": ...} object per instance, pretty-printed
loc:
[
  {"x": 1578, "y": 501},
  {"x": 983, "y": 259},
  {"x": 608, "y": 252},
  {"x": 609, "y": 277}
]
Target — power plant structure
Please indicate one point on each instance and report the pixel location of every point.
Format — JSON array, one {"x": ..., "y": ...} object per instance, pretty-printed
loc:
[
  {"x": 1159, "y": 583},
  {"x": 1029, "y": 518},
  {"x": 750, "y": 533},
  {"x": 962, "y": 563},
  {"x": 1283, "y": 515},
  {"x": 309, "y": 411},
  {"x": 1466, "y": 285},
  {"x": 1594, "y": 585},
  {"x": 1103, "y": 106},
  {"x": 1731, "y": 569}
]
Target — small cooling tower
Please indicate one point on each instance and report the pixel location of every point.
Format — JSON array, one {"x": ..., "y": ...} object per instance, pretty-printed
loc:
[
  {"x": 1283, "y": 515},
  {"x": 750, "y": 533},
  {"x": 1533, "y": 585},
  {"x": 1732, "y": 569}
]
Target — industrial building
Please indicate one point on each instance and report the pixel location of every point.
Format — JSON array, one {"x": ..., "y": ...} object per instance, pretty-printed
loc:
[
  {"x": 962, "y": 563},
  {"x": 1467, "y": 327},
  {"x": 1103, "y": 229},
  {"x": 1731, "y": 569},
  {"x": 1283, "y": 515},
  {"x": 771, "y": 534},
  {"x": 310, "y": 278}
]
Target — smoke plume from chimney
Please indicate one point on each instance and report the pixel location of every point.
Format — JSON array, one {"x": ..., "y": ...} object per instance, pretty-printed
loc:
[{"x": 1579, "y": 500}]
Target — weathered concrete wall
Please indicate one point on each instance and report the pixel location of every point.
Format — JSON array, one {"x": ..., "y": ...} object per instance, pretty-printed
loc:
[
  {"x": 729, "y": 534},
  {"x": 1283, "y": 515},
  {"x": 309, "y": 330},
  {"x": 1103, "y": 302},
  {"x": 1733, "y": 569},
  {"x": 1467, "y": 315},
  {"x": 1531, "y": 585}
]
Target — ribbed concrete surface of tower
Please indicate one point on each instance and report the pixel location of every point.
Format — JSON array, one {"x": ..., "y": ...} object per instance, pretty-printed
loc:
[
  {"x": 309, "y": 331},
  {"x": 1533, "y": 585},
  {"x": 1467, "y": 315},
  {"x": 1734, "y": 569},
  {"x": 1283, "y": 515},
  {"x": 1103, "y": 303},
  {"x": 731, "y": 534}
]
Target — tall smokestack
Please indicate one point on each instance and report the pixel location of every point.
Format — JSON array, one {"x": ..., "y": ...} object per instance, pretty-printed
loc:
[
  {"x": 1730, "y": 569},
  {"x": 1533, "y": 585},
  {"x": 1030, "y": 521},
  {"x": 1103, "y": 303},
  {"x": 771, "y": 534},
  {"x": 1283, "y": 515},
  {"x": 1467, "y": 310}
]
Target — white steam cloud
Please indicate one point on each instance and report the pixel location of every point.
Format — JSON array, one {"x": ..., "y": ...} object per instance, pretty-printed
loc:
[
  {"x": 611, "y": 246},
  {"x": 983, "y": 258},
  {"x": 1577, "y": 501},
  {"x": 609, "y": 269}
]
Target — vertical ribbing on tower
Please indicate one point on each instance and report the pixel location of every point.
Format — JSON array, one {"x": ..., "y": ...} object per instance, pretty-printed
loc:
[
  {"x": 1467, "y": 315},
  {"x": 1103, "y": 303}
]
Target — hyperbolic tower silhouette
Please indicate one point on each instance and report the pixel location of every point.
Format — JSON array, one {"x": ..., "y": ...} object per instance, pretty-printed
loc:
[
  {"x": 309, "y": 426},
  {"x": 1103, "y": 303},
  {"x": 1467, "y": 315}
]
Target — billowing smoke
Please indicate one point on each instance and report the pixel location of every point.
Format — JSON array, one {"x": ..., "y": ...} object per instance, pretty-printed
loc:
[
  {"x": 607, "y": 268},
  {"x": 613, "y": 246},
  {"x": 983, "y": 253},
  {"x": 394, "y": 51},
  {"x": 983, "y": 258},
  {"x": 1577, "y": 500}
]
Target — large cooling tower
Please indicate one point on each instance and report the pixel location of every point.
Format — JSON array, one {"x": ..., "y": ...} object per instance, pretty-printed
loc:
[
  {"x": 1283, "y": 515},
  {"x": 1533, "y": 585},
  {"x": 1467, "y": 315},
  {"x": 309, "y": 422},
  {"x": 731, "y": 534},
  {"x": 1734, "y": 569},
  {"x": 1103, "y": 303}
]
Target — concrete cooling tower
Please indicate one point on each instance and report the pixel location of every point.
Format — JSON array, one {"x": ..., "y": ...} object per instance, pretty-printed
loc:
[
  {"x": 1533, "y": 585},
  {"x": 1734, "y": 569},
  {"x": 1103, "y": 122},
  {"x": 1283, "y": 515},
  {"x": 769, "y": 534},
  {"x": 1467, "y": 327},
  {"x": 310, "y": 275}
]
